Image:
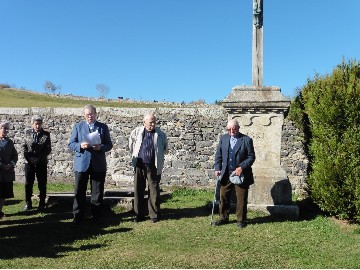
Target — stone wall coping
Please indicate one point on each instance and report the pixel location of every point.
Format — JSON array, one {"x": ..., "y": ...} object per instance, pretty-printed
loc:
[{"x": 213, "y": 111}]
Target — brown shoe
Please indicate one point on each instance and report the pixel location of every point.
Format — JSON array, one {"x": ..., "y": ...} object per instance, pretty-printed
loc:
[{"x": 241, "y": 225}]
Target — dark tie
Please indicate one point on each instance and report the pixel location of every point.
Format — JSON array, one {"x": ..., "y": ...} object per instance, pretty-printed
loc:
[{"x": 35, "y": 137}]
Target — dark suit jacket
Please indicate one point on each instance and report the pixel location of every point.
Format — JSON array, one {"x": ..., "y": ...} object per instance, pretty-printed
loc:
[
  {"x": 86, "y": 157},
  {"x": 244, "y": 157},
  {"x": 39, "y": 150}
]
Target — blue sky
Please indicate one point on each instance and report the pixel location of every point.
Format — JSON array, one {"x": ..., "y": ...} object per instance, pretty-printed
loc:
[{"x": 173, "y": 50}]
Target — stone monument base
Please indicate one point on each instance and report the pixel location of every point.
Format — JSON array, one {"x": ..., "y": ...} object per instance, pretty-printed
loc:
[{"x": 260, "y": 111}]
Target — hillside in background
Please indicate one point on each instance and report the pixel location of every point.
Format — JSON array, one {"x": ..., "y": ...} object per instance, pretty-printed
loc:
[{"x": 19, "y": 98}]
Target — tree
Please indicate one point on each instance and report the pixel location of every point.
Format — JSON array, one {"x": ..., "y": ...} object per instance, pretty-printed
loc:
[
  {"x": 102, "y": 89},
  {"x": 50, "y": 87}
]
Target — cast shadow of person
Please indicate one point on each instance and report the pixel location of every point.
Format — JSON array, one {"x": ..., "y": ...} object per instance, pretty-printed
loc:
[
  {"x": 167, "y": 213},
  {"x": 285, "y": 209},
  {"x": 51, "y": 234}
]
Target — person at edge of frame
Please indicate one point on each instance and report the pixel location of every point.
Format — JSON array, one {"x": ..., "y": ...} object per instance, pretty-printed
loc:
[{"x": 8, "y": 159}]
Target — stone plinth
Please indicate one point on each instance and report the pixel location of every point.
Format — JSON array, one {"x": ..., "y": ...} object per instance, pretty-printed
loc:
[{"x": 260, "y": 112}]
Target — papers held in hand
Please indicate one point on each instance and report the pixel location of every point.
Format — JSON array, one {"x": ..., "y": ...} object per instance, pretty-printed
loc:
[{"x": 93, "y": 138}]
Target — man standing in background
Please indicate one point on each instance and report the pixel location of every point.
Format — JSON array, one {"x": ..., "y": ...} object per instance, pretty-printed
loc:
[
  {"x": 36, "y": 146},
  {"x": 148, "y": 145}
]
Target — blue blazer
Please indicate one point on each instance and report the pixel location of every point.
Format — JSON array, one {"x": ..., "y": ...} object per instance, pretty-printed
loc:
[
  {"x": 244, "y": 157},
  {"x": 86, "y": 157}
]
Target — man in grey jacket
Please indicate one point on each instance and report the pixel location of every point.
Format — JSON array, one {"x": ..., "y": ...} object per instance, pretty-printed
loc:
[{"x": 148, "y": 145}]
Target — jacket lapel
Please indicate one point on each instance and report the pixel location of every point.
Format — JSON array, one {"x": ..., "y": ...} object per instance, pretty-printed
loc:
[
  {"x": 96, "y": 126},
  {"x": 238, "y": 144},
  {"x": 227, "y": 144}
]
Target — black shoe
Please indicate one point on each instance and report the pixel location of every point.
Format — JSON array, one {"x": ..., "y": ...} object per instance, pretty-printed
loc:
[
  {"x": 2, "y": 214},
  {"x": 98, "y": 220},
  {"x": 154, "y": 220},
  {"x": 241, "y": 225},
  {"x": 41, "y": 208},
  {"x": 138, "y": 219},
  {"x": 220, "y": 222},
  {"x": 27, "y": 207},
  {"x": 76, "y": 220}
]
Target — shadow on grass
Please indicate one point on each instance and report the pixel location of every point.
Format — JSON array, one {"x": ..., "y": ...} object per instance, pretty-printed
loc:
[
  {"x": 12, "y": 202},
  {"x": 308, "y": 210},
  {"x": 51, "y": 234},
  {"x": 167, "y": 213}
]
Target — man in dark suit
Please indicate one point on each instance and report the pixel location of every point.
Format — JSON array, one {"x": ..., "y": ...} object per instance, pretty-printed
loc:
[
  {"x": 235, "y": 155},
  {"x": 90, "y": 140},
  {"x": 36, "y": 147}
]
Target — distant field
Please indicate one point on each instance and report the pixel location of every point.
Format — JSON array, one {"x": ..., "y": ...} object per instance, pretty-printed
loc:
[{"x": 14, "y": 98}]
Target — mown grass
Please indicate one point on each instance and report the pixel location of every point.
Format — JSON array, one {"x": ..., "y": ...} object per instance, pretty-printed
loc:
[
  {"x": 182, "y": 239},
  {"x": 14, "y": 98}
]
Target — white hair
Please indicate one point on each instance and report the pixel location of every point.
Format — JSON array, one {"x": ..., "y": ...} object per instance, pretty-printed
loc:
[
  {"x": 233, "y": 122},
  {"x": 149, "y": 115}
]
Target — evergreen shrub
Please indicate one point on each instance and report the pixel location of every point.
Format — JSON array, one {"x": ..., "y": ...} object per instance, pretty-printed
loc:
[{"x": 327, "y": 108}]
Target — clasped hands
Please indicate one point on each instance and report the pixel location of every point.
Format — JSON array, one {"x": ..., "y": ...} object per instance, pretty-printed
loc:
[{"x": 85, "y": 145}]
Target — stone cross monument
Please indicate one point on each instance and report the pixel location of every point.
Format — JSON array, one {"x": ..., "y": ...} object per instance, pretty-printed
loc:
[
  {"x": 260, "y": 111},
  {"x": 257, "y": 43}
]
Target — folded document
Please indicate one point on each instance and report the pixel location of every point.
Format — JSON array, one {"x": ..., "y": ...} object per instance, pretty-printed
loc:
[{"x": 93, "y": 138}]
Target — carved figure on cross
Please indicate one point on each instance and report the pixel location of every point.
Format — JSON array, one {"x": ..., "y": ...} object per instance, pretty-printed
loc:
[{"x": 258, "y": 13}]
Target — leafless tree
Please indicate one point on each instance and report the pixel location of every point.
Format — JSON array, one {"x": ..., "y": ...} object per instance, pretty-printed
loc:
[
  {"x": 102, "y": 89},
  {"x": 50, "y": 87}
]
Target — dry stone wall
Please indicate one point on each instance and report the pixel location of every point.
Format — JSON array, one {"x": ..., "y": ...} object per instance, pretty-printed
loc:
[{"x": 193, "y": 134}]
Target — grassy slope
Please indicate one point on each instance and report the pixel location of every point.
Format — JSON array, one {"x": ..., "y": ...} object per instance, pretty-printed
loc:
[{"x": 13, "y": 98}]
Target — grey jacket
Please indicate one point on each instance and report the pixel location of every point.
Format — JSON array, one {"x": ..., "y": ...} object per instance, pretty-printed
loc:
[{"x": 160, "y": 145}]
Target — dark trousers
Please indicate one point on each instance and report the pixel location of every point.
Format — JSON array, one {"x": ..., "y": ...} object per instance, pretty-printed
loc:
[
  {"x": 40, "y": 171},
  {"x": 147, "y": 173},
  {"x": 241, "y": 201},
  {"x": 97, "y": 181}
]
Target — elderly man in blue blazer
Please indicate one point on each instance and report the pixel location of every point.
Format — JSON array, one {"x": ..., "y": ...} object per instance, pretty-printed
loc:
[
  {"x": 234, "y": 156},
  {"x": 89, "y": 140}
]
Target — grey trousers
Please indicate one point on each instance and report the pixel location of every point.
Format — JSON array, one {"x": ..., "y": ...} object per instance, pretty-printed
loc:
[{"x": 146, "y": 173}]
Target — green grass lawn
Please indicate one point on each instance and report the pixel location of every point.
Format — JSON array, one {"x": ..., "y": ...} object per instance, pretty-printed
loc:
[{"x": 182, "y": 239}]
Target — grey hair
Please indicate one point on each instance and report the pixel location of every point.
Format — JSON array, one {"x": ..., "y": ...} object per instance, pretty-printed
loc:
[
  {"x": 89, "y": 107},
  {"x": 36, "y": 117},
  {"x": 5, "y": 124},
  {"x": 148, "y": 115}
]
